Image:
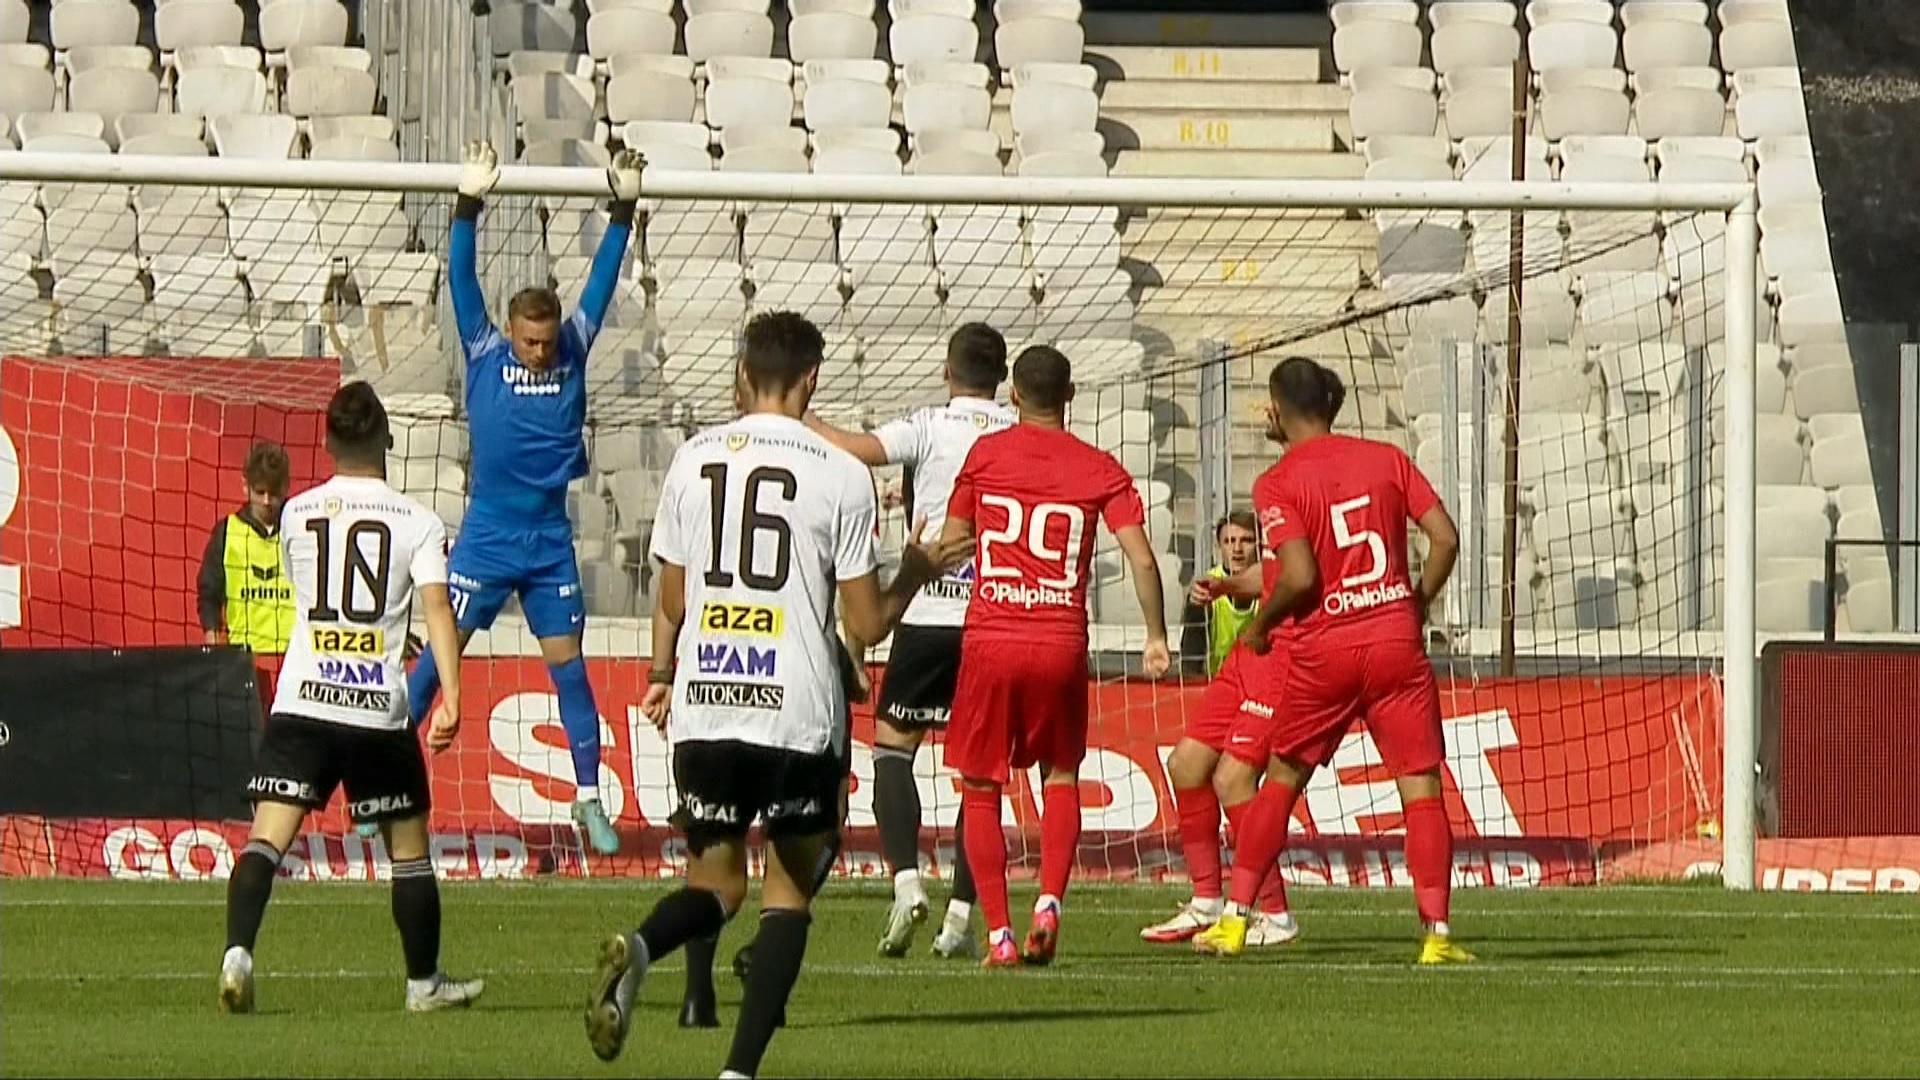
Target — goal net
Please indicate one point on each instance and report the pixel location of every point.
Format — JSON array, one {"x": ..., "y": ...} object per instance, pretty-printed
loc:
[{"x": 154, "y": 332}]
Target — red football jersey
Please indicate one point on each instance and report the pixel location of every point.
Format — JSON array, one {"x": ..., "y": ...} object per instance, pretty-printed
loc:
[
  {"x": 1351, "y": 500},
  {"x": 1033, "y": 495}
]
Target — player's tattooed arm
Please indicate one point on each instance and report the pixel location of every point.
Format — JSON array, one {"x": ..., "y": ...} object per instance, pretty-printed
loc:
[
  {"x": 1299, "y": 576},
  {"x": 669, "y": 611}
]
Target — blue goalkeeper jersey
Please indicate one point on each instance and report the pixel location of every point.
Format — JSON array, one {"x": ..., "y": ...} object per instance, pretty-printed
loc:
[{"x": 527, "y": 428}]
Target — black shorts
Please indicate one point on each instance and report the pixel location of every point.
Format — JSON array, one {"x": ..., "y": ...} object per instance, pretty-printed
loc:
[
  {"x": 724, "y": 785},
  {"x": 922, "y": 669},
  {"x": 301, "y": 761}
]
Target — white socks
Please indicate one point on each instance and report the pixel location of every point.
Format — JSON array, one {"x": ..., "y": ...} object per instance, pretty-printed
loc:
[
  {"x": 237, "y": 957},
  {"x": 1046, "y": 903},
  {"x": 1206, "y": 905}
]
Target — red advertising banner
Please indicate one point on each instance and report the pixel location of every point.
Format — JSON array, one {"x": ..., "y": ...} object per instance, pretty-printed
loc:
[{"x": 1542, "y": 775}]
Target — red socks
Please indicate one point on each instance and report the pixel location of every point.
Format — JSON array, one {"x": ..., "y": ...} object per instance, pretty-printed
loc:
[
  {"x": 1257, "y": 847},
  {"x": 1272, "y": 898},
  {"x": 1199, "y": 810},
  {"x": 986, "y": 852},
  {"x": 1429, "y": 858},
  {"x": 1059, "y": 837}
]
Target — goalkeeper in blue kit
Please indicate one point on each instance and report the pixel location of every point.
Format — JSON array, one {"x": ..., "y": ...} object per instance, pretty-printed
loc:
[{"x": 526, "y": 400}]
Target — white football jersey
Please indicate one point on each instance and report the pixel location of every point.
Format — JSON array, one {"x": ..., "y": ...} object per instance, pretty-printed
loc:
[
  {"x": 934, "y": 443},
  {"x": 355, "y": 550},
  {"x": 767, "y": 518}
]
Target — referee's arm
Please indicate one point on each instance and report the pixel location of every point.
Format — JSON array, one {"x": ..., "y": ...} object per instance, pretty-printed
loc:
[{"x": 212, "y": 583}]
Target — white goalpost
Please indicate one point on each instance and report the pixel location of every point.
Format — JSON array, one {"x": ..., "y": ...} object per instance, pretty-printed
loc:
[{"x": 1073, "y": 260}]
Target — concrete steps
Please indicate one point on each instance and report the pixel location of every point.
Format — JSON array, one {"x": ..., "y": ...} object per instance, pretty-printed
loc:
[
  {"x": 1174, "y": 63},
  {"x": 1241, "y": 164}
]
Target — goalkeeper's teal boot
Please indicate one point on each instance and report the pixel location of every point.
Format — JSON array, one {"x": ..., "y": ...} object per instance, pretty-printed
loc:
[
  {"x": 367, "y": 830},
  {"x": 589, "y": 815}
]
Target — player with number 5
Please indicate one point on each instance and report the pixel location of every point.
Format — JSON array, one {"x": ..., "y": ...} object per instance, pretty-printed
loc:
[
  {"x": 1333, "y": 516},
  {"x": 1032, "y": 496}
]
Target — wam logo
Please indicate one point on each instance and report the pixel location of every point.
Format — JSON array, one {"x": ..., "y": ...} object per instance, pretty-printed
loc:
[
  {"x": 353, "y": 673},
  {"x": 718, "y": 659}
]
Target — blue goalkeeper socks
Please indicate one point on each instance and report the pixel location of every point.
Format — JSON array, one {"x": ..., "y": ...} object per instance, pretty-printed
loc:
[
  {"x": 423, "y": 685},
  {"x": 580, "y": 716}
]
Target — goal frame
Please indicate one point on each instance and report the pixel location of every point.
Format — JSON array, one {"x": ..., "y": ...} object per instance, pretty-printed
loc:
[{"x": 1739, "y": 655}]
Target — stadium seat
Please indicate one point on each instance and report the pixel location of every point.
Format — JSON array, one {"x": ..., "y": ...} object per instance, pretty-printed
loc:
[
  {"x": 1666, "y": 113},
  {"x": 239, "y": 136},
  {"x": 1759, "y": 44},
  {"x": 729, "y": 33},
  {"x": 1473, "y": 44},
  {"x": 613, "y": 31},
  {"x": 847, "y": 103},
  {"x": 1054, "y": 107},
  {"x": 1583, "y": 111},
  {"x": 78, "y": 23},
  {"x": 1771, "y": 112},
  {"x": 1038, "y": 41},
  {"x": 642, "y": 92},
  {"x": 831, "y": 35},
  {"x": 316, "y": 86},
  {"x": 942, "y": 106},
  {"x": 1667, "y": 44},
  {"x": 919, "y": 39},
  {"x": 1572, "y": 44},
  {"x": 287, "y": 23},
  {"x": 179, "y": 24},
  {"x": 26, "y": 89},
  {"x": 215, "y": 91}
]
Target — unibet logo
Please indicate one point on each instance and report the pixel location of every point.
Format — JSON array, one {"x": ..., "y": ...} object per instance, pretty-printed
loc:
[
  {"x": 751, "y": 620},
  {"x": 527, "y": 382},
  {"x": 1350, "y": 601},
  {"x": 718, "y": 659},
  {"x": 1026, "y": 596}
]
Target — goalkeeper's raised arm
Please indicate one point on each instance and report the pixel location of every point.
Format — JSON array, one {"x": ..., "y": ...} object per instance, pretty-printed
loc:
[{"x": 526, "y": 399}]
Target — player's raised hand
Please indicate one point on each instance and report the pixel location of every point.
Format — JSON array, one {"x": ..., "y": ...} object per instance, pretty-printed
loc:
[
  {"x": 1201, "y": 594},
  {"x": 623, "y": 176},
  {"x": 934, "y": 557},
  {"x": 656, "y": 705},
  {"x": 1156, "y": 658},
  {"x": 444, "y": 726},
  {"x": 479, "y": 170}
]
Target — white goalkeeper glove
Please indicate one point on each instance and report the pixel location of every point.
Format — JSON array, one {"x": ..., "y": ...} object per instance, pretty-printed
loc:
[
  {"x": 623, "y": 176},
  {"x": 479, "y": 170}
]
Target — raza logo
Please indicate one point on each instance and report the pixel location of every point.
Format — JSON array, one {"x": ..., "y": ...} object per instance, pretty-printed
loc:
[
  {"x": 718, "y": 659},
  {"x": 353, "y": 673},
  {"x": 349, "y": 642},
  {"x": 751, "y": 620}
]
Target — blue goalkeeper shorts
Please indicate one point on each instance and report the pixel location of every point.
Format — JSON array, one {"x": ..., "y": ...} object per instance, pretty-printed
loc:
[{"x": 492, "y": 561}]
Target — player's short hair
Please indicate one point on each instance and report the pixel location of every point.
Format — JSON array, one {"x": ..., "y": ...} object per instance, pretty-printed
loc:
[
  {"x": 1242, "y": 518},
  {"x": 536, "y": 303},
  {"x": 1043, "y": 376},
  {"x": 782, "y": 349},
  {"x": 267, "y": 468},
  {"x": 357, "y": 428},
  {"x": 1307, "y": 388},
  {"x": 977, "y": 357}
]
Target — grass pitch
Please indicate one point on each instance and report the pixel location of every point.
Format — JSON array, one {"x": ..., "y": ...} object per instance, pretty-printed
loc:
[{"x": 111, "y": 978}]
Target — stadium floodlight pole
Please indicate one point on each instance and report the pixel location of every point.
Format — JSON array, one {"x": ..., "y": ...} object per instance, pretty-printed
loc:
[{"x": 1740, "y": 703}]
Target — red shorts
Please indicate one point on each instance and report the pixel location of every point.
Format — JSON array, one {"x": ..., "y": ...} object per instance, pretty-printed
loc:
[
  {"x": 1017, "y": 703},
  {"x": 1389, "y": 684},
  {"x": 1239, "y": 707}
]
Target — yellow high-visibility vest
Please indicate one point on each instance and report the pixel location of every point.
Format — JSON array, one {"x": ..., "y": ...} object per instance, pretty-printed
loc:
[
  {"x": 259, "y": 596},
  {"x": 1224, "y": 620}
]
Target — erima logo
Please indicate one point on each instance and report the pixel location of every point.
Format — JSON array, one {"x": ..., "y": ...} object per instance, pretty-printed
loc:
[
  {"x": 751, "y": 620},
  {"x": 265, "y": 573},
  {"x": 462, "y": 581},
  {"x": 734, "y": 695},
  {"x": 346, "y": 697},
  {"x": 718, "y": 659},
  {"x": 529, "y": 383},
  {"x": 279, "y": 787},
  {"x": 1026, "y": 596},
  {"x": 1349, "y": 601},
  {"x": 1264, "y": 712},
  {"x": 791, "y": 808},
  {"x": 253, "y": 593},
  {"x": 352, "y": 673}
]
